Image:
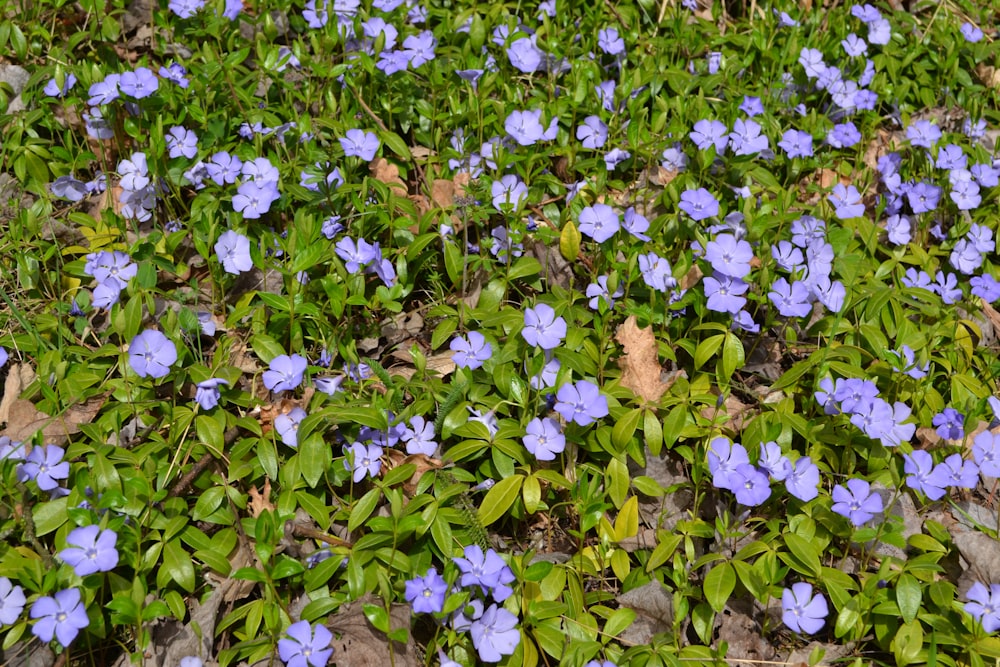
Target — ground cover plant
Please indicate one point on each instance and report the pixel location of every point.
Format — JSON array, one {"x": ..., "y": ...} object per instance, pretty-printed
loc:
[{"x": 409, "y": 332}]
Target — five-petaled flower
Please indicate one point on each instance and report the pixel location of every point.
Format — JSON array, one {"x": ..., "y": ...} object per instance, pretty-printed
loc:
[
  {"x": 61, "y": 616},
  {"x": 92, "y": 550},
  {"x": 285, "y": 372},
  {"x": 361, "y": 144},
  {"x": 304, "y": 646},
  {"x": 801, "y": 610},
  {"x": 150, "y": 354},
  {"x": 426, "y": 593}
]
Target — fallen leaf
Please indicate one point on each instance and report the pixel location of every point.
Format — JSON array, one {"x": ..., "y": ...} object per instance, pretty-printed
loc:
[
  {"x": 640, "y": 363},
  {"x": 388, "y": 173},
  {"x": 988, "y": 75},
  {"x": 395, "y": 458},
  {"x": 691, "y": 278},
  {"x": 443, "y": 193},
  {"x": 662, "y": 177},
  {"x": 441, "y": 364},
  {"x": 260, "y": 501},
  {"x": 18, "y": 378},
  {"x": 359, "y": 644},
  {"x": 24, "y": 420},
  {"x": 739, "y": 413},
  {"x": 654, "y": 607}
]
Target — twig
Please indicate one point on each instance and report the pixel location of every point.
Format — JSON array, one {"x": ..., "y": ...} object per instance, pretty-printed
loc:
[
  {"x": 185, "y": 482},
  {"x": 368, "y": 110}
]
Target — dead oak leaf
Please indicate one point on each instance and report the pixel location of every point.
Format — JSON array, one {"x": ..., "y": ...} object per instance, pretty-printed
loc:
[
  {"x": 640, "y": 363},
  {"x": 259, "y": 500},
  {"x": 359, "y": 644},
  {"x": 24, "y": 420}
]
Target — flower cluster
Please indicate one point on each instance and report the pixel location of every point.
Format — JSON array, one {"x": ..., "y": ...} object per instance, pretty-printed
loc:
[
  {"x": 112, "y": 270},
  {"x": 731, "y": 469}
]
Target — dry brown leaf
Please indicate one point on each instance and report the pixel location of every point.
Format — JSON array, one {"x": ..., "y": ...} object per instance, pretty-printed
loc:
[
  {"x": 460, "y": 181},
  {"x": 640, "y": 363},
  {"x": 395, "y": 458},
  {"x": 988, "y": 75},
  {"x": 24, "y": 420},
  {"x": 19, "y": 377},
  {"x": 443, "y": 193},
  {"x": 388, "y": 173},
  {"x": 662, "y": 177},
  {"x": 691, "y": 278},
  {"x": 260, "y": 501},
  {"x": 739, "y": 413},
  {"x": 441, "y": 364},
  {"x": 359, "y": 644}
]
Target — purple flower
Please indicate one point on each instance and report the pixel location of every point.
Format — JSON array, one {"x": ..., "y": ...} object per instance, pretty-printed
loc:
[
  {"x": 328, "y": 385},
  {"x": 508, "y": 193},
  {"x": 253, "y": 199},
  {"x": 803, "y": 482},
  {"x": 699, "y": 204},
  {"x": 725, "y": 294},
  {"x": 984, "y": 605},
  {"x": 966, "y": 195},
  {"x": 729, "y": 256},
  {"x": 363, "y": 460},
  {"x": 542, "y": 327},
  {"x": 986, "y": 452},
  {"x": 426, "y": 593},
  {"x": 958, "y": 472},
  {"x": 812, "y": 62},
  {"x": 62, "y": 616},
  {"x": 355, "y": 255},
  {"x": 746, "y": 138},
  {"x": 750, "y": 485},
  {"x": 706, "y": 133},
  {"x": 419, "y": 437},
  {"x": 949, "y": 424},
  {"x": 233, "y": 250},
  {"x": 185, "y": 9},
  {"x": 724, "y": 457},
  {"x": 635, "y": 224},
  {"x": 207, "y": 393},
  {"x": 287, "y": 426},
  {"x": 856, "y": 502},
  {"x": 923, "y": 476},
  {"x": 802, "y": 611},
  {"x": 581, "y": 403},
  {"x": 68, "y": 187},
  {"x": 923, "y": 197},
  {"x": 495, "y": 634},
  {"x": 44, "y": 465},
  {"x": 115, "y": 268},
  {"x": 224, "y": 168},
  {"x": 599, "y": 292},
  {"x": 923, "y": 133},
  {"x": 11, "y": 602},
  {"x": 104, "y": 92},
  {"x": 182, "y": 141},
  {"x": 305, "y": 648},
  {"x": 615, "y": 157},
  {"x": 52, "y": 88},
  {"x": 175, "y": 73},
  {"x": 419, "y": 48},
  {"x": 361, "y": 144},
  {"x": 150, "y": 354},
  {"x": 610, "y": 42},
  {"x": 847, "y": 201},
  {"x": 471, "y": 351},
  {"x": 139, "y": 84},
  {"x": 843, "y": 135},
  {"x": 486, "y": 570},
  {"x": 972, "y": 34},
  {"x": 599, "y": 222},
  {"x": 593, "y": 133},
  {"x": 93, "y": 550},
  {"x": 790, "y": 300},
  {"x": 285, "y": 372},
  {"x": 526, "y": 128},
  {"x": 524, "y": 56},
  {"x": 946, "y": 286},
  {"x": 773, "y": 462},
  {"x": 544, "y": 439},
  {"x": 796, "y": 143}
]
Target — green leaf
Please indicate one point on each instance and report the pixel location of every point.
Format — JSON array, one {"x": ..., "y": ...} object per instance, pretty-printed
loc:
[
  {"x": 531, "y": 492},
  {"x": 733, "y": 357},
  {"x": 719, "y": 585},
  {"x": 209, "y": 501},
  {"x": 617, "y": 622},
  {"x": 625, "y": 428},
  {"x": 395, "y": 144},
  {"x": 707, "y": 348},
  {"x": 908, "y": 596},
  {"x": 49, "y": 516},
  {"x": 652, "y": 431},
  {"x": 617, "y": 480},
  {"x": 314, "y": 459},
  {"x": 377, "y": 616},
  {"x": 210, "y": 433},
  {"x": 266, "y": 348},
  {"x": 805, "y": 556},
  {"x": 454, "y": 263},
  {"x": 499, "y": 499},
  {"x": 363, "y": 509},
  {"x": 178, "y": 565},
  {"x": 674, "y": 424},
  {"x": 907, "y": 643},
  {"x": 569, "y": 241},
  {"x": 848, "y": 618}
]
